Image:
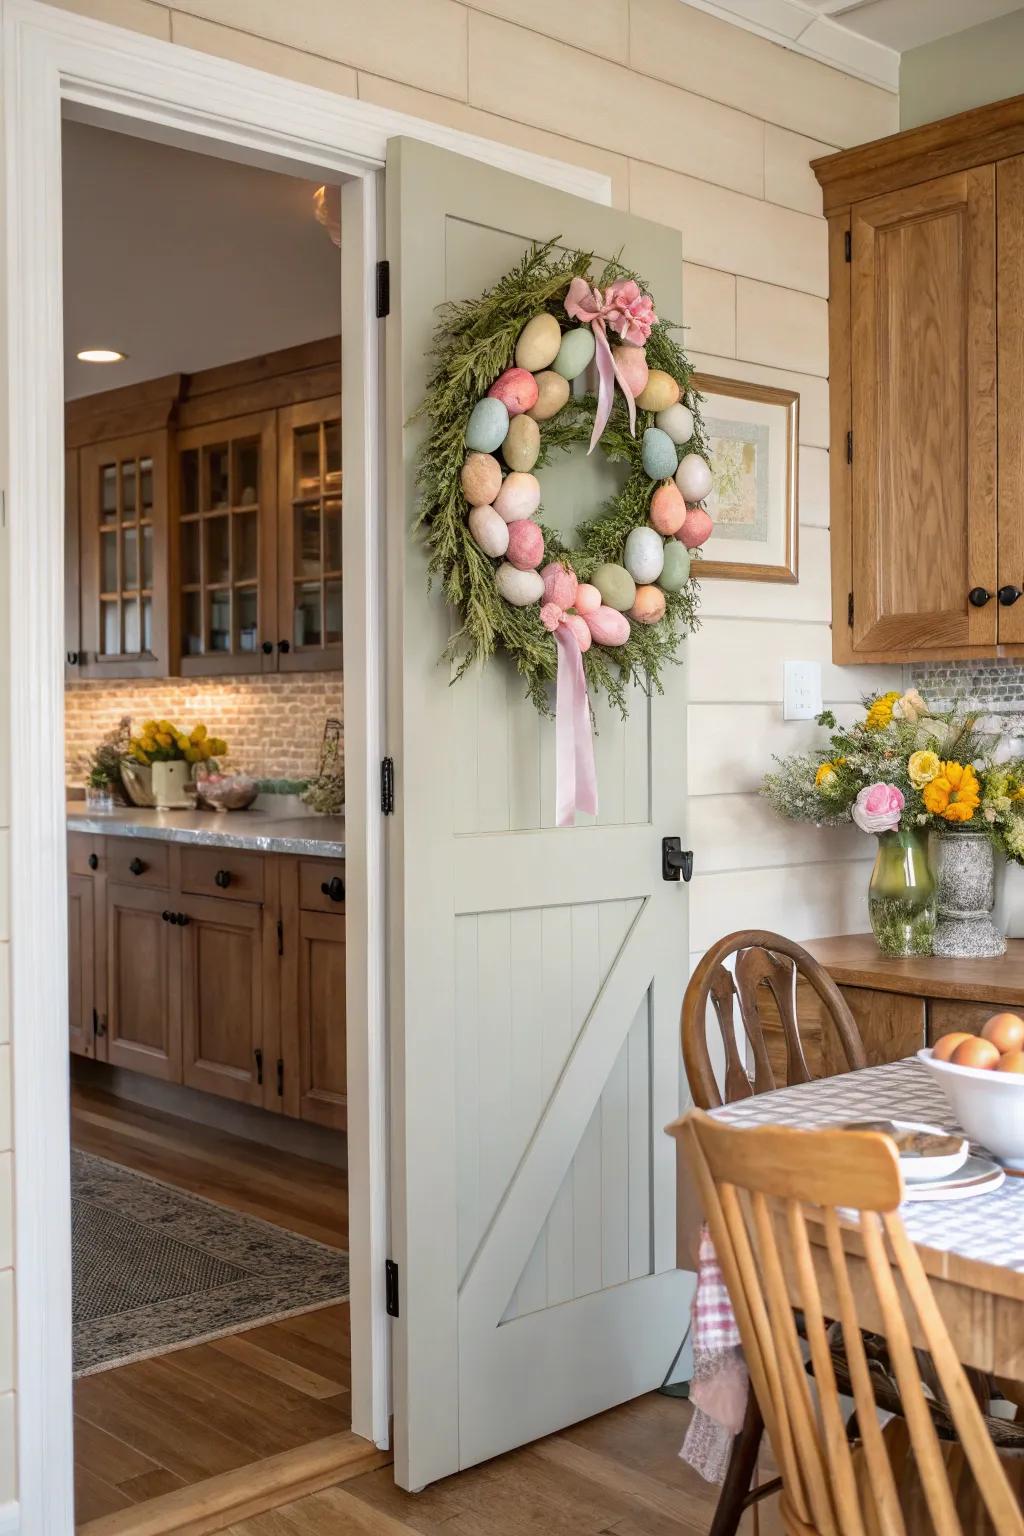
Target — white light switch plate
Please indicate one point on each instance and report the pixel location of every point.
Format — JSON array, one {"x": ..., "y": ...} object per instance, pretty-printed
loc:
[{"x": 801, "y": 695}]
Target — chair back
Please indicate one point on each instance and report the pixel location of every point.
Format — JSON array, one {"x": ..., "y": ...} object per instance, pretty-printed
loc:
[
  {"x": 770, "y": 1195},
  {"x": 766, "y": 963}
]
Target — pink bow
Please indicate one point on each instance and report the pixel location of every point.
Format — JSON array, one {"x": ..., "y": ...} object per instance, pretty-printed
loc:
[{"x": 630, "y": 314}]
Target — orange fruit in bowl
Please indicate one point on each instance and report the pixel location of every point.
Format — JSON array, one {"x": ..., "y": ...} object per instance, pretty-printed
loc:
[
  {"x": 1006, "y": 1032},
  {"x": 1011, "y": 1061},
  {"x": 975, "y": 1052},
  {"x": 943, "y": 1048}
]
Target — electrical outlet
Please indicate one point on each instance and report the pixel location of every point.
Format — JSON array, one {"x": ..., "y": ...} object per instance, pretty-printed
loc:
[{"x": 801, "y": 696}]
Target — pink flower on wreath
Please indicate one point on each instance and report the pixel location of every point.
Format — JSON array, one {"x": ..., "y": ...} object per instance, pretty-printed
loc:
[
  {"x": 878, "y": 808},
  {"x": 632, "y": 314}
]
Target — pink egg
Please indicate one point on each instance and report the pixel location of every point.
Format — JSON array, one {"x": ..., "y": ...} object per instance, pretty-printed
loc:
[
  {"x": 588, "y": 598},
  {"x": 560, "y": 584},
  {"x": 632, "y": 364},
  {"x": 607, "y": 626},
  {"x": 668, "y": 509},
  {"x": 517, "y": 390},
  {"x": 696, "y": 529},
  {"x": 525, "y": 545},
  {"x": 519, "y": 496},
  {"x": 580, "y": 629},
  {"x": 649, "y": 607}
]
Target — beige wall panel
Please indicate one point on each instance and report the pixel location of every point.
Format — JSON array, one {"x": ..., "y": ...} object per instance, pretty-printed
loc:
[
  {"x": 8, "y": 1447},
  {"x": 258, "y": 53},
  {"x": 788, "y": 178},
  {"x": 814, "y": 487},
  {"x": 804, "y": 901},
  {"x": 721, "y": 228},
  {"x": 733, "y": 832},
  {"x": 781, "y": 327},
  {"x": 808, "y": 601},
  {"x": 730, "y": 746},
  {"x": 136, "y": 15},
  {"x": 741, "y": 659},
  {"x": 814, "y": 426},
  {"x": 529, "y": 78},
  {"x": 6, "y": 1332},
  {"x": 705, "y": 54},
  {"x": 599, "y": 26},
  {"x": 709, "y": 310},
  {"x": 6, "y": 1210}
]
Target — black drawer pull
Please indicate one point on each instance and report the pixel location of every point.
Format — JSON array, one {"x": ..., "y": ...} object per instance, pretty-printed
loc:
[
  {"x": 334, "y": 888},
  {"x": 94, "y": 861},
  {"x": 1008, "y": 596},
  {"x": 137, "y": 867},
  {"x": 284, "y": 647},
  {"x": 222, "y": 878},
  {"x": 268, "y": 647},
  {"x": 979, "y": 596},
  {"x": 168, "y": 917},
  {"x": 183, "y": 920}
]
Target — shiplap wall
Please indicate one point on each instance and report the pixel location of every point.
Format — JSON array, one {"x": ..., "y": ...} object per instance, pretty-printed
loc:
[{"x": 701, "y": 125}]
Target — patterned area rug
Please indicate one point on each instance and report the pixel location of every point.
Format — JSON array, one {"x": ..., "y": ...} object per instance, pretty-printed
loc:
[{"x": 157, "y": 1269}]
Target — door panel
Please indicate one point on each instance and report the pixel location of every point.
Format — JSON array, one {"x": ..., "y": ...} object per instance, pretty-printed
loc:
[
  {"x": 81, "y": 964},
  {"x": 222, "y": 998},
  {"x": 144, "y": 992},
  {"x": 323, "y": 1086},
  {"x": 535, "y": 973},
  {"x": 924, "y": 458},
  {"x": 1010, "y": 204}
]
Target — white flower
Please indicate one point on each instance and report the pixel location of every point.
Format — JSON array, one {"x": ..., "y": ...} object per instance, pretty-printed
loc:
[{"x": 910, "y": 706}]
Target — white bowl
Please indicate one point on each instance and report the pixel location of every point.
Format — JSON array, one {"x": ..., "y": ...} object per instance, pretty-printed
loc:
[{"x": 988, "y": 1105}]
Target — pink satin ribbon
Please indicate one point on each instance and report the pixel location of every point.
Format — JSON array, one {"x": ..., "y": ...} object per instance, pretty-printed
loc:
[
  {"x": 630, "y": 314},
  {"x": 575, "y": 774}
]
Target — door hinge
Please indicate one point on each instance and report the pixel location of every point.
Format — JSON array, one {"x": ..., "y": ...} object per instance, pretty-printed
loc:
[
  {"x": 387, "y": 787},
  {"x": 259, "y": 1066},
  {"x": 280, "y": 936},
  {"x": 280, "y": 1077},
  {"x": 391, "y": 1287},
  {"x": 848, "y": 245},
  {"x": 849, "y": 447},
  {"x": 849, "y": 610},
  {"x": 383, "y": 289}
]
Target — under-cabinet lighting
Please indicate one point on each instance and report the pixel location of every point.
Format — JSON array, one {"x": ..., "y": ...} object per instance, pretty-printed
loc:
[{"x": 100, "y": 355}]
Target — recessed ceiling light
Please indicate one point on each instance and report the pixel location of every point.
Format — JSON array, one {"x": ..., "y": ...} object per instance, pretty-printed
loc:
[{"x": 100, "y": 355}]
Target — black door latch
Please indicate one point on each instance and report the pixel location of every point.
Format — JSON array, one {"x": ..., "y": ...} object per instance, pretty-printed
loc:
[{"x": 676, "y": 861}]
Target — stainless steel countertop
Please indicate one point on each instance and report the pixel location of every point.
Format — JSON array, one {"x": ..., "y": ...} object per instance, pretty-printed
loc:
[{"x": 320, "y": 837}]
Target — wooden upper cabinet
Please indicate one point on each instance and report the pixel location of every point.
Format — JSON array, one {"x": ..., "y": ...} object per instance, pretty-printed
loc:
[
  {"x": 923, "y": 360},
  {"x": 1010, "y": 237},
  {"x": 309, "y": 513}
]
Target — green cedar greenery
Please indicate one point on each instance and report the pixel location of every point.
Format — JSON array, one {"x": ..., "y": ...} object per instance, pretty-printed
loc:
[{"x": 475, "y": 342}]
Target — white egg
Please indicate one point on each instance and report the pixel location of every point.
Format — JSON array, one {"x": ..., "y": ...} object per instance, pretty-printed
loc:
[
  {"x": 693, "y": 477},
  {"x": 520, "y": 588},
  {"x": 677, "y": 421},
  {"x": 489, "y": 530},
  {"x": 644, "y": 555}
]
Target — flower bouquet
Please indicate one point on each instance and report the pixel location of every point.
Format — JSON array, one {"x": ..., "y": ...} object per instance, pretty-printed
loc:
[
  {"x": 901, "y": 772},
  {"x": 159, "y": 762}
]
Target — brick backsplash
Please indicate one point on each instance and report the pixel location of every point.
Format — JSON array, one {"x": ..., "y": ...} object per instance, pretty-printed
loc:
[
  {"x": 997, "y": 684},
  {"x": 273, "y": 725}
]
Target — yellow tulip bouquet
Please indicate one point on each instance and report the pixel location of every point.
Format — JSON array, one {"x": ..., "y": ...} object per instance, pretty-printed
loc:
[{"x": 160, "y": 741}]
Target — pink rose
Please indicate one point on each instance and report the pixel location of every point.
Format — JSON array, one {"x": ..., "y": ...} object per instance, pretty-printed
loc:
[
  {"x": 878, "y": 808},
  {"x": 633, "y": 313}
]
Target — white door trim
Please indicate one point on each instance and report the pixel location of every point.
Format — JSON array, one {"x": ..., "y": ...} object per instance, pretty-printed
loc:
[{"x": 53, "y": 57}]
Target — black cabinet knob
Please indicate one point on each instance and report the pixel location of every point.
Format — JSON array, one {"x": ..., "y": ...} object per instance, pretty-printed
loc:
[
  {"x": 222, "y": 878},
  {"x": 180, "y": 918},
  {"x": 1008, "y": 596},
  {"x": 168, "y": 917},
  {"x": 94, "y": 861},
  {"x": 978, "y": 597},
  {"x": 284, "y": 647},
  {"x": 268, "y": 646},
  {"x": 74, "y": 657},
  {"x": 136, "y": 866},
  {"x": 334, "y": 888}
]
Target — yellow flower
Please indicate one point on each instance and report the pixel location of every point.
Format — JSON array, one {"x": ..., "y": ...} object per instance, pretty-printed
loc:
[
  {"x": 880, "y": 713},
  {"x": 825, "y": 772},
  {"x": 148, "y": 742},
  {"x": 164, "y": 738},
  {"x": 192, "y": 755},
  {"x": 166, "y": 727},
  {"x": 198, "y": 735},
  {"x": 923, "y": 767},
  {"x": 954, "y": 794},
  {"x": 140, "y": 756},
  {"x": 150, "y": 727},
  {"x": 218, "y": 746},
  {"x": 182, "y": 743}
]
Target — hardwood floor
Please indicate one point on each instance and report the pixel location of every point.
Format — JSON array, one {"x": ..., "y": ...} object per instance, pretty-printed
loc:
[{"x": 147, "y": 1429}]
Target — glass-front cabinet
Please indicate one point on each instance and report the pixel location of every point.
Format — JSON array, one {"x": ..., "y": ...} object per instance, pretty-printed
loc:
[
  {"x": 309, "y": 514},
  {"x": 226, "y": 535},
  {"x": 123, "y": 548}
]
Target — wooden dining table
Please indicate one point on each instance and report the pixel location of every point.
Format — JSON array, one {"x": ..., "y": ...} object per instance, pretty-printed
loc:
[{"x": 972, "y": 1250}]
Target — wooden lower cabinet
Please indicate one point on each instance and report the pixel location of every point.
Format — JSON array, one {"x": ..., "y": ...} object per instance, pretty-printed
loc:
[
  {"x": 144, "y": 984},
  {"x": 222, "y": 998},
  {"x": 82, "y": 1011},
  {"x": 320, "y": 1020}
]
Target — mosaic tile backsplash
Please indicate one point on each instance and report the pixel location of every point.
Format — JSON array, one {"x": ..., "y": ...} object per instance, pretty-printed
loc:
[
  {"x": 273, "y": 725},
  {"x": 998, "y": 685}
]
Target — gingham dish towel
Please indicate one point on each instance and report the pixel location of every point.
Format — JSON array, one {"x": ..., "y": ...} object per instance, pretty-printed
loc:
[{"x": 720, "y": 1384}]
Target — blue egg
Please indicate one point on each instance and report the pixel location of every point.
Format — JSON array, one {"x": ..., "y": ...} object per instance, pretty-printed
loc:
[
  {"x": 575, "y": 353},
  {"x": 658, "y": 453},
  {"x": 488, "y": 425}
]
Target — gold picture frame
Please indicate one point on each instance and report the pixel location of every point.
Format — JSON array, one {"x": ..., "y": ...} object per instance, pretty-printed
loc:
[{"x": 754, "y": 500}]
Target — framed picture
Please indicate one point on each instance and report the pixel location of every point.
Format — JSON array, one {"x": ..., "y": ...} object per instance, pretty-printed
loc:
[{"x": 752, "y": 436}]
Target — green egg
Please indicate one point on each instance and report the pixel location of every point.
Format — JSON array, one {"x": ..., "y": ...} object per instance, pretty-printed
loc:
[
  {"x": 675, "y": 573},
  {"x": 616, "y": 586},
  {"x": 488, "y": 424},
  {"x": 575, "y": 353}
]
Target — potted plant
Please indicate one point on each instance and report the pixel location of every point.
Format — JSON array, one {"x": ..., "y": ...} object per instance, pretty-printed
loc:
[{"x": 169, "y": 754}]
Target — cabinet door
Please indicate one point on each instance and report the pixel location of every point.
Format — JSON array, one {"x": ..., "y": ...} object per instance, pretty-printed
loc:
[
  {"x": 82, "y": 1004},
  {"x": 123, "y": 541},
  {"x": 309, "y": 515},
  {"x": 923, "y": 384},
  {"x": 320, "y": 1034},
  {"x": 226, "y": 598},
  {"x": 222, "y": 998},
  {"x": 72, "y": 568},
  {"x": 144, "y": 1012},
  {"x": 1010, "y": 204}
]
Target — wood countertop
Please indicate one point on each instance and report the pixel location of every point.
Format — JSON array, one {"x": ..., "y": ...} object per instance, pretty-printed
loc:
[{"x": 853, "y": 960}]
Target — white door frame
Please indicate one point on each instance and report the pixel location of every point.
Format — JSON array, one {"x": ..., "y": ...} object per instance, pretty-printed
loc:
[{"x": 52, "y": 57}]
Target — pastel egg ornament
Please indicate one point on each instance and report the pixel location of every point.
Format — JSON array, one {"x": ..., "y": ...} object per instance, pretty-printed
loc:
[
  {"x": 659, "y": 393},
  {"x": 519, "y": 497},
  {"x": 516, "y": 388},
  {"x": 575, "y": 353},
  {"x": 649, "y": 607},
  {"x": 521, "y": 589},
  {"x": 644, "y": 555},
  {"x": 693, "y": 477},
  {"x": 538, "y": 343},
  {"x": 668, "y": 509},
  {"x": 521, "y": 447},
  {"x": 607, "y": 626},
  {"x": 659, "y": 457},
  {"x": 616, "y": 586},
  {"x": 588, "y": 598},
  {"x": 525, "y": 546},
  {"x": 480, "y": 478},
  {"x": 487, "y": 425},
  {"x": 560, "y": 585},
  {"x": 552, "y": 393},
  {"x": 631, "y": 363},
  {"x": 580, "y": 628},
  {"x": 489, "y": 531},
  {"x": 675, "y": 572},
  {"x": 697, "y": 528},
  {"x": 677, "y": 421}
]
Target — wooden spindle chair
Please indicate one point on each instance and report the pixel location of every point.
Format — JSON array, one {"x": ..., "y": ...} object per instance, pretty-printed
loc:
[{"x": 771, "y": 1196}]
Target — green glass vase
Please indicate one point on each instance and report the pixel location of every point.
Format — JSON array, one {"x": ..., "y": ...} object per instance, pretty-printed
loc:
[{"x": 901, "y": 896}]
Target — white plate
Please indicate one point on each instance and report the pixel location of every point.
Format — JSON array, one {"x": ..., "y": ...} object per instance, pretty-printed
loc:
[
  {"x": 978, "y": 1176},
  {"x": 915, "y": 1166}
]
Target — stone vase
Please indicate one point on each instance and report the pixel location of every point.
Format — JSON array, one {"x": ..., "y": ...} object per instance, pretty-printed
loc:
[{"x": 965, "y": 872}]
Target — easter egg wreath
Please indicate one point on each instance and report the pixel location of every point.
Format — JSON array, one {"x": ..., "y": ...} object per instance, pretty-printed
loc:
[{"x": 621, "y": 594}]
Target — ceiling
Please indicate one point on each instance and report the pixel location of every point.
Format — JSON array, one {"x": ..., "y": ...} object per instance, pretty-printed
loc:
[
  {"x": 184, "y": 261},
  {"x": 862, "y": 37}
]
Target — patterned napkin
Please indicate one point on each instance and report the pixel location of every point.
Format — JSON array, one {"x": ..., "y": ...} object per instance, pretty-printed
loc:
[{"x": 720, "y": 1385}]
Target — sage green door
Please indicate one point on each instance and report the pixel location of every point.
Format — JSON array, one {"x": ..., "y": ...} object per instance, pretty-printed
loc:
[{"x": 535, "y": 974}]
